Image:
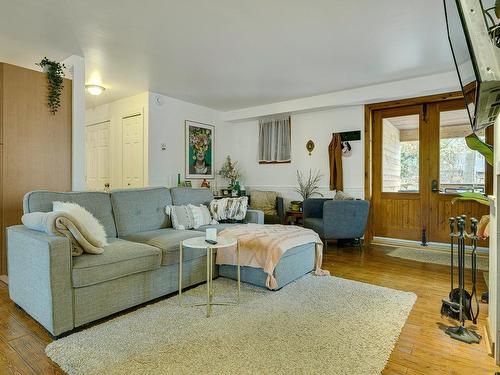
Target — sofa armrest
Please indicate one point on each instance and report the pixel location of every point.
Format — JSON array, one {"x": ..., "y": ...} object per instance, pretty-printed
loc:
[
  {"x": 255, "y": 217},
  {"x": 313, "y": 207},
  {"x": 280, "y": 209},
  {"x": 345, "y": 218},
  {"x": 39, "y": 268}
]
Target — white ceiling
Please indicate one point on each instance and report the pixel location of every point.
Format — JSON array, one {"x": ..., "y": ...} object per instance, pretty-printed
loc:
[
  {"x": 446, "y": 118},
  {"x": 229, "y": 54}
]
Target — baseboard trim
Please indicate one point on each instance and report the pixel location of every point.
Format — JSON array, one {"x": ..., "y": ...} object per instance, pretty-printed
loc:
[
  {"x": 432, "y": 246},
  {"x": 5, "y": 279},
  {"x": 490, "y": 345}
]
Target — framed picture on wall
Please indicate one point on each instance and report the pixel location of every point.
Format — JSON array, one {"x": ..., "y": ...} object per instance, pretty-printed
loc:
[{"x": 200, "y": 155}]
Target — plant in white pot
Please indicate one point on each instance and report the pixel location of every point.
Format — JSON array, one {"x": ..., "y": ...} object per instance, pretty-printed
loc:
[{"x": 55, "y": 81}]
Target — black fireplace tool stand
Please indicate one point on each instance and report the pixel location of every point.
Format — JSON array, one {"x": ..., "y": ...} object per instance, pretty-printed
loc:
[{"x": 458, "y": 306}]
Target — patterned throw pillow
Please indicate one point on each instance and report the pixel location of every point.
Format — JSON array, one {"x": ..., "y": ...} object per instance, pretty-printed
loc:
[
  {"x": 181, "y": 216},
  {"x": 233, "y": 209},
  {"x": 341, "y": 196}
]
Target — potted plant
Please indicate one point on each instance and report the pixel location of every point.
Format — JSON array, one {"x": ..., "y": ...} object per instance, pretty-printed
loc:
[
  {"x": 55, "y": 80},
  {"x": 486, "y": 150},
  {"x": 307, "y": 188},
  {"x": 230, "y": 171}
]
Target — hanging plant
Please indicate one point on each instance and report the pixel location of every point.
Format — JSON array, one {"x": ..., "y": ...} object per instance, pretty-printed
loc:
[{"x": 55, "y": 82}]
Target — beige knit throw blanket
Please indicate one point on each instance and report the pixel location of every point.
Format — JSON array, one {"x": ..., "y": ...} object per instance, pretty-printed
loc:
[
  {"x": 262, "y": 246},
  {"x": 64, "y": 224}
]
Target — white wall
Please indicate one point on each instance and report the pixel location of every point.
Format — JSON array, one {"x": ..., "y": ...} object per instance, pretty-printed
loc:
[
  {"x": 163, "y": 123},
  {"x": 408, "y": 88},
  {"x": 114, "y": 112},
  {"x": 76, "y": 69},
  {"x": 316, "y": 118},
  {"x": 242, "y": 145},
  {"x": 166, "y": 125}
]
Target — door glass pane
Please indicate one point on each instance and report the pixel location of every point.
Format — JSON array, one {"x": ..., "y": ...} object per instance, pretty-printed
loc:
[
  {"x": 400, "y": 154},
  {"x": 460, "y": 168}
]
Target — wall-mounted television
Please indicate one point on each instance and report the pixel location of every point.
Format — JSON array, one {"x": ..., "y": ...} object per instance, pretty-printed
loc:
[{"x": 474, "y": 39}]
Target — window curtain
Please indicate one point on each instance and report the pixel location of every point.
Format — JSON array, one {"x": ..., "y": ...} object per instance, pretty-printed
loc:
[
  {"x": 335, "y": 158},
  {"x": 274, "y": 139}
]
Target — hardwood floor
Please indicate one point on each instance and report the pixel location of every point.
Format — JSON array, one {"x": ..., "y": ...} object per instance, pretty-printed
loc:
[{"x": 422, "y": 348}]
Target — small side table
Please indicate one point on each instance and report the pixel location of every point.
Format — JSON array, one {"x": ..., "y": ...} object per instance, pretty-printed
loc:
[
  {"x": 297, "y": 216},
  {"x": 200, "y": 244}
]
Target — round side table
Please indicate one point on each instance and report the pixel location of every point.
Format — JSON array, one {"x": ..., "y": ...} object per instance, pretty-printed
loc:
[{"x": 199, "y": 243}]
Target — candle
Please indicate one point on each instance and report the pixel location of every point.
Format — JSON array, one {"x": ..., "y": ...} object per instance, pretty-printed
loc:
[{"x": 211, "y": 234}]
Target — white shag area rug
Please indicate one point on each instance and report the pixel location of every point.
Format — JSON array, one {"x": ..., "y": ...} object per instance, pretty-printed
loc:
[
  {"x": 437, "y": 257},
  {"x": 317, "y": 324}
]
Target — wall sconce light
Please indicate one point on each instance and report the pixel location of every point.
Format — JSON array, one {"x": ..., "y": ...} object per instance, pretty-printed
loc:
[
  {"x": 94, "y": 89},
  {"x": 310, "y": 146}
]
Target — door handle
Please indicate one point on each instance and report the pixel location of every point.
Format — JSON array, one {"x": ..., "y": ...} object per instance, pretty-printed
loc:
[{"x": 435, "y": 186}]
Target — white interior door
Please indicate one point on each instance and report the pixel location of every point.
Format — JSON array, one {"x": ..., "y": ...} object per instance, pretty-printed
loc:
[
  {"x": 133, "y": 151},
  {"x": 97, "y": 156}
]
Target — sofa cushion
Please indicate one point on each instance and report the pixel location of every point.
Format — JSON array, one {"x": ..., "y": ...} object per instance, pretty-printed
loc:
[
  {"x": 97, "y": 203},
  {"x": 316, "y": 225},
  {"x": 120, "y": 258},
  {"x": 140, "y": 210},
  {"x": 183, "y": 196},
  {"x": 168, "y": 241}
]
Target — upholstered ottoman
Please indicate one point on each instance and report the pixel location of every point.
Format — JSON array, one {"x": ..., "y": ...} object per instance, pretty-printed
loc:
[{"x": 294, "y": 264}]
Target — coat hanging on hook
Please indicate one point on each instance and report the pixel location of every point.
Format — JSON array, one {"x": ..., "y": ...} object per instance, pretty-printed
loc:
[{"x": 335, "y": 159}]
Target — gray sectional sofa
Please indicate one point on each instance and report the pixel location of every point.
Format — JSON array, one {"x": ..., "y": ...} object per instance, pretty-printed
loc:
[{"x": 140, "y": 264}]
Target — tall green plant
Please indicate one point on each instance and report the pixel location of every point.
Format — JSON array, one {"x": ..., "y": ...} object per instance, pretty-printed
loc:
[
  {"x": 55, "y": 81},
  {"x": 476, "y": 144}
]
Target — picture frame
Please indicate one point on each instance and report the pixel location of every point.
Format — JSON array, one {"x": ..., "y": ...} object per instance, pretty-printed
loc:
[
  {"x": 199, "y": 150},
  {"x": 188, "y": 184}
]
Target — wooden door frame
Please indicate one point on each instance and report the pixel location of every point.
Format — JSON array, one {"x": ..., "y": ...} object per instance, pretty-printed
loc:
[{"x": 368, "y": 137}]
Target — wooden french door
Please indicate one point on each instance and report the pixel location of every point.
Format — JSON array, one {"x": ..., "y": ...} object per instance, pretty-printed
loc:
[
  {"x": 398, "y": 202},
  {"x": 419, "y": 163}
]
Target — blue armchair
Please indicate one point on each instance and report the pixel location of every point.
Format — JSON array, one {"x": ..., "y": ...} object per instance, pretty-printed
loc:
[{"x": 336, "y": 219}]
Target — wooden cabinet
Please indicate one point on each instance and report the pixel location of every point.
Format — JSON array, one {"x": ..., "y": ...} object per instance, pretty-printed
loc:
[{"x": 35, "y": 145}]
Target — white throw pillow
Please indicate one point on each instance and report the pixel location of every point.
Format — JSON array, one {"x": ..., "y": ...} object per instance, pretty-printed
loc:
[
  {"x": 85, "y": 218},
  {"x": 207, "y": 216},
  {"x": 201, "y": 215},
  {"x": 181, "y": 216}
]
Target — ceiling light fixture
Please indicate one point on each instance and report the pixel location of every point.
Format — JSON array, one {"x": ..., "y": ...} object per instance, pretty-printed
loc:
[{"x": 94, "y": 89}]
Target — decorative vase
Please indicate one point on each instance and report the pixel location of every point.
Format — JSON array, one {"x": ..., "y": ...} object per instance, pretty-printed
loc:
[{"x": 296, "y": 205}]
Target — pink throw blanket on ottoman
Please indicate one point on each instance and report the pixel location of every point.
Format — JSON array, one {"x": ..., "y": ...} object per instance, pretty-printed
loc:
[{"x": 262, "y": 246}]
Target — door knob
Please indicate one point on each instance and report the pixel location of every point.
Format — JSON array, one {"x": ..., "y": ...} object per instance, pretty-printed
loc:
[{"x": 435, "y": 186}]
